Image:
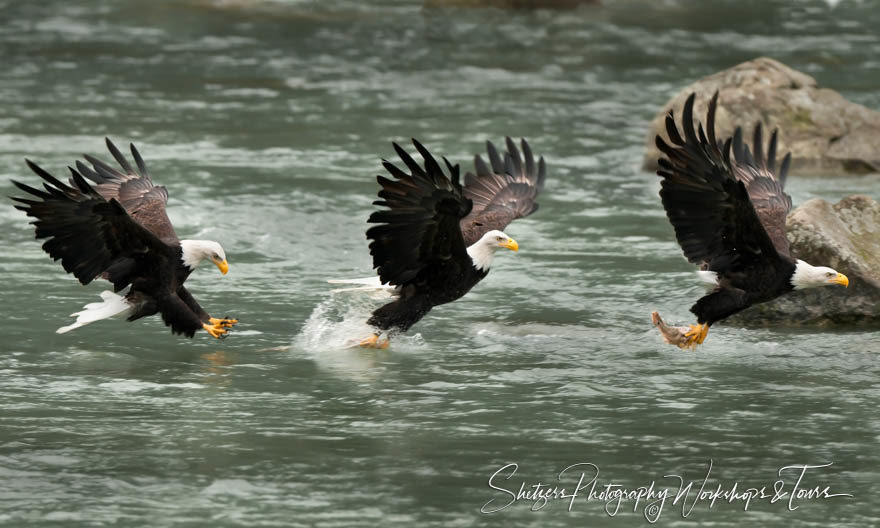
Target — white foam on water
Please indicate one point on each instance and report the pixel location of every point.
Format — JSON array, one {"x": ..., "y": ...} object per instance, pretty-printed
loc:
[
  {"x": 128, "y": 386},
  {"x": 234, "y": 487},
  {"x": 330, "y": 336},
  {"x": 339, "y": 321}
]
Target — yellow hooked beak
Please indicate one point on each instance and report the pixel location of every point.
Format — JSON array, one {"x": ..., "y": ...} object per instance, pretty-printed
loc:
[
  {"x": 222, "y": 265},
  {"x": 840, "y": 279},
  {"x": 510, "y": 244}
]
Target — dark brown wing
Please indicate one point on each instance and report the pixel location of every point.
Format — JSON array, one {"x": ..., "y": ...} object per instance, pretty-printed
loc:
[
  {"x": 85, "y": 231},
  {"x": 713, "y": 217},
  {"x": 133, "y": 189},
  {"x": 764, "y": 184},
  {"x": 502, "y": 191},
  {"x": 420, "y": 229}
]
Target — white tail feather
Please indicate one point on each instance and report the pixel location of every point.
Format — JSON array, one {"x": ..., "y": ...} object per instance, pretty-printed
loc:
[
  {"x": 367, "y": 283},
  {"x": 111, "y": 306}
]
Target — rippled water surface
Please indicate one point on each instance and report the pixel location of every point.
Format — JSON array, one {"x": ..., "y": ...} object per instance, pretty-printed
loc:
[{"x": 267, "y": 122}]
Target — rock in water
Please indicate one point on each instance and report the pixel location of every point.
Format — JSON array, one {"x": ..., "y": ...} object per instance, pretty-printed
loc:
[
  {"x": 844, "y": 236},
  {"x": 823, "y": 131}
]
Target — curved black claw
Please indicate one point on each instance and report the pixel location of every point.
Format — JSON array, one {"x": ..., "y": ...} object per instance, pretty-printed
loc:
[{"x": 225, "y": 322}]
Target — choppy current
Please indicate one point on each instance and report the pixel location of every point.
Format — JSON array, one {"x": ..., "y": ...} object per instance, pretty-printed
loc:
[{"x": 267, "y": 122}]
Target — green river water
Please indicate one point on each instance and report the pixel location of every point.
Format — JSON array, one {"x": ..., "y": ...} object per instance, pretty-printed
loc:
[{"x": 267, "y": 122}]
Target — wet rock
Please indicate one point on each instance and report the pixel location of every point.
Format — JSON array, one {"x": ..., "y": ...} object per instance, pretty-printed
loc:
[
  {"x": 844, "y": 236},
  {"x": 824, "y": 132}
]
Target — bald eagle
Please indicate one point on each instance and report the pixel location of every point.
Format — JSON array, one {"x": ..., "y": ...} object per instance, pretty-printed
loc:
[
  {"x": 435, "y": 239},
  {"x": 728, "y": 208},
  {"x": 116, "y": 228}
]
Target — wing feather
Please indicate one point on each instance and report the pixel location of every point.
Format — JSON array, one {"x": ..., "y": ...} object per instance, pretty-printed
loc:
[
  {"x": 134, "y": 189},
  {"x": 419, "y": 230},
  {"x": 502, "y": 191},
  {"x": 766, "y": 190},
  {"x": 83, "y": 230},
  {"x": 709, "y": 207}
]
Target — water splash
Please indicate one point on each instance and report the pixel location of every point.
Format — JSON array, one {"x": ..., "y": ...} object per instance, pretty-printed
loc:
[
  {"x": 330, "y": 336},
  {"x": 340, "y": 322}
]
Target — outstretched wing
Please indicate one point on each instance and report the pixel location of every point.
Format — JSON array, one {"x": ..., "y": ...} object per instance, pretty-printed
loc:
[
  {"x": 709, "y": 208},
  {"x": 420, "y": 227},
  {"x": 133, "y": 188},
  {"x": 764, "y": 184},
  {"x": 88, "y": 233},
  {"x": 502, "y": 191}
]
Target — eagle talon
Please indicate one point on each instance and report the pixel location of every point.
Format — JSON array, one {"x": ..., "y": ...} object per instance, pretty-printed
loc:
[
  {"x": 695, "y": 335},
  {"x": 225, "y": 322},
  {"x": 217, "y": 332}
]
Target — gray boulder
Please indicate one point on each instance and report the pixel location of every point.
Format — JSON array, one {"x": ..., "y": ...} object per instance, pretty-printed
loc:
[
  {"x": 823, "y": 131},
  {"x": 844, "y": 236}
]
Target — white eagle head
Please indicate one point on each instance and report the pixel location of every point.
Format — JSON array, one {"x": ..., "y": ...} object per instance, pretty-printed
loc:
[
  {"x": 808, "y": 276},
  {"x": 483, "y": 250},
  {"x": 195, "y": 251}
]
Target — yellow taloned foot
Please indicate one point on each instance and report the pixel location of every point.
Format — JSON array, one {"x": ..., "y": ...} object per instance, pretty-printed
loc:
[
  {"x": 373, "y": 342},
  {"x": 694, "y": 336},
  {"x": 215, "y": 331},
  {"x": 703, "y": 334},
  {"x": 225, "y": 322}
]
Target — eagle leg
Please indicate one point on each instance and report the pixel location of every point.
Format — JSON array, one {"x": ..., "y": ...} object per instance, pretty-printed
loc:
[
  {"x": 217, "y": 331},
  {"x": 695, "y": 336},
  {"x": 704, "y": 333},
  {"x": 374, "y": 342},
  {"x": 226, "y": 322}
]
